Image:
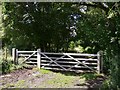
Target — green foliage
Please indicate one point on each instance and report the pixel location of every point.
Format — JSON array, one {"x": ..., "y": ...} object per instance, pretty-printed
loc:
[
  {"x": 36, "y": 25},
  {"x": 106, "y": 63},
  {"x": 8, "y": 66},
  {"x": 106, "y": 85},
  {"x": 72, "y": 45},
  {"x": 75, "y": 46},
  {"x": 89, "y": 76}
]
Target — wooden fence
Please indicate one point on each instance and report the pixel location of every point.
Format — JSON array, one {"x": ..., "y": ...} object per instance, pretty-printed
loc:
[{"x": 78, "y": 62}]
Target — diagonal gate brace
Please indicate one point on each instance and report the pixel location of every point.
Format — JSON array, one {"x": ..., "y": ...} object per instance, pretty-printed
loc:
[
  {"x": 78, "y": 63},
  {"x": 54, "y": 62}
]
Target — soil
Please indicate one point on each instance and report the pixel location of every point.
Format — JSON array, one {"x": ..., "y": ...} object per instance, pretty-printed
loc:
[{"x": 29, "y": 78}]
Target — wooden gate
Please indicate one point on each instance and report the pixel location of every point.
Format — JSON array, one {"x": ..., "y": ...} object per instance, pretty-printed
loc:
[{"x": 77, "y": 62}]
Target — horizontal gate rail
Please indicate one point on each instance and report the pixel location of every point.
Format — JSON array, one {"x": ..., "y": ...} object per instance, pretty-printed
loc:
[
  {"x": 79, "y": 63},
  {"x": 74, "y": 54},
  {"x": 25, "y": 51},
  {"x": 67, "y": 66},
  {"x": 71, "y": 59},
  {"x": 68, "y": 62},
  {"x": 61, "y": 61},
  {"x": 26, "y": 55}
]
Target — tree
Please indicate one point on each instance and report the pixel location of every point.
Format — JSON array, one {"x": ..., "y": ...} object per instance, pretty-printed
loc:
[
  {"x": 36, "y": 25},
  {"x": 99, "y": 29}
]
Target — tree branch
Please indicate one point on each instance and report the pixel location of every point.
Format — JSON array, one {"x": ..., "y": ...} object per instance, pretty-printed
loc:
[{"x": 96, "y": 5}]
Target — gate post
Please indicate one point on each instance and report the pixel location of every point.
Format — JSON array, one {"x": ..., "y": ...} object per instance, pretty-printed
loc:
[
  {"x": 39, "y": 58},
  {"x": 14, "y": 55},
  {"x": 5, "y": 53},
  {"x": 101, "y": 61},
  {"x": 98, "y": 62}
]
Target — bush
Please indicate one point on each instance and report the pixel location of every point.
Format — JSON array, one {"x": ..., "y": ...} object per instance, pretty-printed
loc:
[
  {"x": 106, "y": 85},
  {"x": 6, "y": 66}
]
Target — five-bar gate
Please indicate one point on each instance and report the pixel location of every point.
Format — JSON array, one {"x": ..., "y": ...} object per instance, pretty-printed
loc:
[{"x": 78, "y": 62}]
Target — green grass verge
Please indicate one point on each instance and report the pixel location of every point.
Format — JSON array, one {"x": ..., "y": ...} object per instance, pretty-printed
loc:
[
  {"x": 90, "y": 76},
  {"x": 18, "y": 84},
  {"x": 42, "y": 71},
  {"x": 59, "y": 81}
]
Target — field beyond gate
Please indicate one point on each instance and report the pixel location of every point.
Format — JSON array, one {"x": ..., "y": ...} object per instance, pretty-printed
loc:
[{"x": 77, "y": 62}]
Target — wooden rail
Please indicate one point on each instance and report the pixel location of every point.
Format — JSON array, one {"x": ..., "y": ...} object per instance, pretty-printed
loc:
[{"x": 61, "y": 61}]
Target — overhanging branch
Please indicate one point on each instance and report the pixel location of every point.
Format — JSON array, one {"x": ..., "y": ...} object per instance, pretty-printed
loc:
[{"x": 96, "y": 5}]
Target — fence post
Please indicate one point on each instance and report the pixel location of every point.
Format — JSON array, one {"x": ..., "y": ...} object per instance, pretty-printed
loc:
[
  {"x": 101, "y": 61},
  {"x": 39, "y": 58},
  {"x": 14, "y": 55},
  {"x": 98, "y": 62},
  {"x": 5, "y": 53}
]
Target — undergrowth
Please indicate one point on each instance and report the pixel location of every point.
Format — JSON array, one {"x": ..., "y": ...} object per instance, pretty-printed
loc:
[{"x": 8, "y": 66}]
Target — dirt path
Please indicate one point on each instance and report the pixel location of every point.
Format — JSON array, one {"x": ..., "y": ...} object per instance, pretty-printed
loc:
[{"x": 33, "y": 78}]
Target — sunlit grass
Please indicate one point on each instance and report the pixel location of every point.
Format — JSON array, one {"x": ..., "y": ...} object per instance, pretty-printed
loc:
[
  {"x": 42, "y": 71},
  {"x": 60, "y": 80},
  {"x": 90, "y": 76}
]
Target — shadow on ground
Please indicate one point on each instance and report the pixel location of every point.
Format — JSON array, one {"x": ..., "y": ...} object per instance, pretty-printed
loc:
[{"x": 93, "y": 81}]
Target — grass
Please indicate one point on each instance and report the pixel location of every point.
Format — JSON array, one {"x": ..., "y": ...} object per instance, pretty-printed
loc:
[
  {"x": 106, "y": 84},
  {"x": 90, "y": 76},
  {"x": 69, "y": 77},
  {"x": 8, "y": 85},
  {"x": 53, "y": 79},
  {"x": 60, "y": 81},
  {"x": 87, "y": 76},
  {"x": 42, "y": 71},
  {"x": 18, "y": 84},
  {"x": 66, "y": 79}
]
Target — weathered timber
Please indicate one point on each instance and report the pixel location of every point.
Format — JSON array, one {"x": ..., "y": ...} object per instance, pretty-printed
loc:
[
  {"x": 61, "y": 61},
  {"x": 72, "y": 59},
  {"x": 26, "y": 51},
  {"x": 38, "y": 58},
  {"x": 74, "y": 54},
  {"x": 98, "y": 67},
  {"x": 14, "y": 55}
]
